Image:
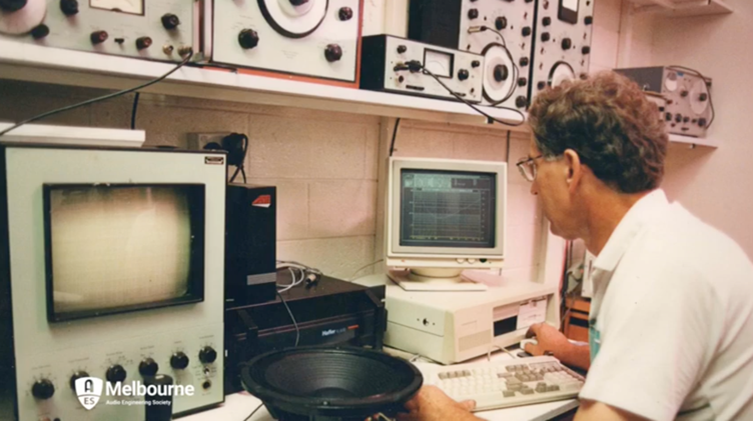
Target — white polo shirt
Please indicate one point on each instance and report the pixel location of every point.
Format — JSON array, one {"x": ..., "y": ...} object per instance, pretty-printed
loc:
[{"x": 672, "y": 318}]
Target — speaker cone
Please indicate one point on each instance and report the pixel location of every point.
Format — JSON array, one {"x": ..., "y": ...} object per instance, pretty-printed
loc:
[{"x": 330, "y": 383}]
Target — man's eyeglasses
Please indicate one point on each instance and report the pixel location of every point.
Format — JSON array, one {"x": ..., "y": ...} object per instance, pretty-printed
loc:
[{"x": 527, "y": 167}]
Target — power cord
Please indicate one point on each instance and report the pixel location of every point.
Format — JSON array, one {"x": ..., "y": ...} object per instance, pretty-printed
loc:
[
  {"x": 697, "y": 73},
  {"x": 135, "y": 109},
  {"x": 254, "y": 411},
  {"x": 352, "y": 277},
  {"x": 101, "y": 98},
  {"x": 297, "y": 330},
  {"x": 239, "y": 166},
  {"x": 415, "y": 66},
  {"x": 489, "y": 352},
  {"x": 394, "y": 135}
]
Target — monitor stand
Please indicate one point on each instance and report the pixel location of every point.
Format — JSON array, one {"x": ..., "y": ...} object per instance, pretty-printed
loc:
[{"x": 431, "y": 279}]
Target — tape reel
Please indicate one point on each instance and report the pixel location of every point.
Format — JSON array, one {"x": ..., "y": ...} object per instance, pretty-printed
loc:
[
  {"x": 500, "y": 74},
  {"x": 294, "y": 20},
  {"x": 23, "y": 20}
]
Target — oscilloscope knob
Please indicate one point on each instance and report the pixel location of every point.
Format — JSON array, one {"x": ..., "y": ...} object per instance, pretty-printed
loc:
[
  {"x": 248, "y": 38},
  {"x": 521, "y": 102},
  {"x": 43, "y": 389},
  {"x": 69, "y": 7},
  {"x": 298, "y": 2},
  {"x": 522, "y": 81},
  {"x": 333, "y": 52},
  {"x": 143, "y": 43},
  {"x": 567, "y": 43},
  {"x": 148, "y": 367},
  {"x": 77, "y": 375},
  {"x": 463, "y": 74},
  {"x": 207, "y": 355},
  {"x": 116, "y": 374},
  {"x": 500, "y": 23},
  {"x": 98, "y": 37},
  {"x": 473, "y": 14},
  {"x": 12, "y": 5},
  {"x": 179, "y": 361},
  {"x": 170, "y": 21},
  {"x": 40, "y": 31},
  {"x": 345, "y": 13},
  {"x": 524, "y": 61},
  {"x": 526, "y": 31}
]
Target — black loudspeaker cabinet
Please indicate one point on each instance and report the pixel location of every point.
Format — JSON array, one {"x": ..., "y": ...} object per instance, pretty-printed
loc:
[
  {"x": 250, "y": 243},
  {"x": 435, "y": 22}
]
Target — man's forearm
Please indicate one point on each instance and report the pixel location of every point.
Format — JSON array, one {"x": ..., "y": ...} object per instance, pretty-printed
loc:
[{"x": 576, "y": 355}]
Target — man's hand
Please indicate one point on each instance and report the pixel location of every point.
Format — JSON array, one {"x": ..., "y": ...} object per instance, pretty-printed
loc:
[
  {"x": 552, "y": 340},
  {"x": 548, "y": 338},
  {"x": 431, "y": 404}
]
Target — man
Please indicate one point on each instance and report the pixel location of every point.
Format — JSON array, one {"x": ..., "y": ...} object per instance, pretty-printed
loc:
[{"x": 671, "y": 323}]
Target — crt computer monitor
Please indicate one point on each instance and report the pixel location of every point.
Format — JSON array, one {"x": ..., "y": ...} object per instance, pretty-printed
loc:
[{"x": 444, "y": 216}]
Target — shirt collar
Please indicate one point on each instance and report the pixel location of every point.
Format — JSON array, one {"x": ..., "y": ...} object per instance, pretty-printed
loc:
[{"x": 645, "y": 209}]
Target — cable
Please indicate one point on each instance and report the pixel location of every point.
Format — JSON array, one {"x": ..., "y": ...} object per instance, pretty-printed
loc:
[
  {"x": 135, "y": 108},
  {"x": 239, "y": 168},
  {"x": 507, "y": 149},
  {"x": 364, "y": 267},
  {"x": 297, "y": 330},
  {"x": 489, "y": 352},
  {"x": 482, "y": 28},
  {"x": 394, "y": 135},
  {"x": 98, "y": 99},
  {"x": 254, "y": 411},
  {"x": 697, "y": 73},
  {"x": 415, "y": 66}
]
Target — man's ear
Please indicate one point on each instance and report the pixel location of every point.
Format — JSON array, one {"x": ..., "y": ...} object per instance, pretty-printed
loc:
[{"x": 573, "y": 169}]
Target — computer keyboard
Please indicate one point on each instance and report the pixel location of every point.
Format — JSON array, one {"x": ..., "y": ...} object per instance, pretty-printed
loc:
[{"x": 499, "y": 384}]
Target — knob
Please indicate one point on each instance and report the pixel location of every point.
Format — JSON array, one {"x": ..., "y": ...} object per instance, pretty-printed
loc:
[
  {"x": 77, "y": 375},
  {"x": 685, "y": 119},
  {"x": 463, "y": 74},
  {"x": 500, "y": 23},
  {"x": 522, "y": 81},
  {"x": 170, "y": 21},
  {"x": 541, "y": 85},
  {"x": 12, "y": 5},
  {"x": 115, "y": 374},
  {"x": 475, "y": 63},
  {"x": 69, "y": 7},
  {"x": 179, "y": 361},
  {"x": 521, "y": 102},
  {"x": 40, "y": 31},
  {"x": 588, "y": 20},
  {"x": 668, "y": 116},
  {"x": 401, "y": 49},
  {"x": 298, "y": 2},
  {"x": 703, "y": 97},
  {"x": 546, "y": 21},
  {"x": 333, "y": 52},
  {"x": 702, "y": 122},
  {"x": 143, "y": 43},
  {"x": 545, "y": 36},
  {"x": 207, "y": 355},
  {"x": 678, "y": 118},
  {"x": 567, "y": 43},
  {"x": 98, "y": 37},
  {"x": 501, "y": 72},
  {"x": 345, "y": 13},
  {"x": 524, "y": 61},
  {"x": 473, "y": 14},
  {"x": 586, "y": 49},
  {"x": 684, "y": 94},
  {"x": 248, "y": 38},
  {"x": 148, "y": 367},
  {"x": 526, "y": 31},
  {"x": 43, "y": 389}
]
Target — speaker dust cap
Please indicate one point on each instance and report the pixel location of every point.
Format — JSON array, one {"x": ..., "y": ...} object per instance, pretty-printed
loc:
[{"x": 330, "y": 382}]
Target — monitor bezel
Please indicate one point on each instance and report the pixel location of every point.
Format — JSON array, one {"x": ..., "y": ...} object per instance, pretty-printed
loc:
[
  {"x": 397, "y": 165},
  {"x": 195, "y": 293}
]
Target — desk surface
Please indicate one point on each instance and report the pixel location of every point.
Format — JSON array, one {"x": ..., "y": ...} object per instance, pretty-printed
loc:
[{"x": 239, "y": 405}]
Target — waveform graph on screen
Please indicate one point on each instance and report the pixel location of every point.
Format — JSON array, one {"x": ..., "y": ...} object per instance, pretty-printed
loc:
[{"x": 447, "y": 209}]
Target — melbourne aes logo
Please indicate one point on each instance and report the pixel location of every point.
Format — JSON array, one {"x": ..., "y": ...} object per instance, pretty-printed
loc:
[{"x": 88, "y": 389}]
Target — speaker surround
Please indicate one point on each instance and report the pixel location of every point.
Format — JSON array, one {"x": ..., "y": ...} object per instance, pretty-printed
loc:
[{"x": 330, "y": 383}]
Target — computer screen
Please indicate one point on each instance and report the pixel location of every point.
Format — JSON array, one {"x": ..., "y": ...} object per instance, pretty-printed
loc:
[
  {"x": 117, "y": 248},
  {"x": 447, "y": 208}
]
